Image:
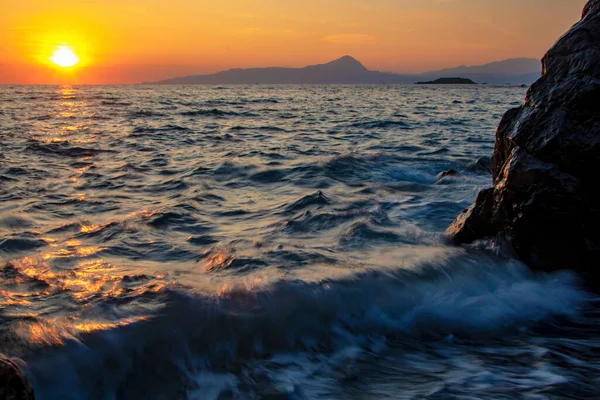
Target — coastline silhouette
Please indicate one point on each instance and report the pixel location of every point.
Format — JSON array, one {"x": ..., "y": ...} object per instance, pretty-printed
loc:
[{"x": 348, "y": 70}]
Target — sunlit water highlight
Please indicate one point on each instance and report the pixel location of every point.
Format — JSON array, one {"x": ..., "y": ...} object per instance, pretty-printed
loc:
[{"x": 270, "y": 242}]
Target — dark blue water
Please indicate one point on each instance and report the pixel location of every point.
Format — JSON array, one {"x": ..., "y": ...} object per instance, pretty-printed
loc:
[{"x": 253, "y": 242}]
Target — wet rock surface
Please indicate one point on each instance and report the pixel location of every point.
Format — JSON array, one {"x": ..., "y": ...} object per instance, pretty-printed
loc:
[
  {"x": 13, "y": 383},
  {"x": 545, "y": 199}
]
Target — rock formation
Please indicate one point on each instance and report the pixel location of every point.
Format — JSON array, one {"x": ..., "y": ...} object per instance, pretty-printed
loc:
[
  {"x": 545, "y": 200},
  {"x": 448, "y": 81},
  {"x": 13, "y": 383}
]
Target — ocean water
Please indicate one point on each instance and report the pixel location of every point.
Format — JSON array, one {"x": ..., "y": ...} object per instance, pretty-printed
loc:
[{"x": 285, "y": 242}]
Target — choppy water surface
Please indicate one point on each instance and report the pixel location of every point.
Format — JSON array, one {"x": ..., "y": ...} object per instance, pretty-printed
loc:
[{"x": 270, "y": 243}]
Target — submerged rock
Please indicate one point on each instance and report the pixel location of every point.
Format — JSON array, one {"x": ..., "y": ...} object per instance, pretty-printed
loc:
[
  {"x": 13, "y": 383},
  {"x": 449, "y": 172},
  {"x": 545, "y": 200},
  {"x": 483, "y": 164}
]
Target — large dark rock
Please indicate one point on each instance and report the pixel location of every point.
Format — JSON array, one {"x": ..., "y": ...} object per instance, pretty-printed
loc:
[
  {"x": 546, "y": 197},
  {"x": 13, "y": 383}
]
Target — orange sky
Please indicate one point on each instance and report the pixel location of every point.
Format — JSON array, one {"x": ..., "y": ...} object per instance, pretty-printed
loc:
[{"x": 129, "y": 41}]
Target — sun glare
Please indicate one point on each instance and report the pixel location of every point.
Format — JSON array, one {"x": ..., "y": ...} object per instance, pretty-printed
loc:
[{"x": 64, "y": 57}]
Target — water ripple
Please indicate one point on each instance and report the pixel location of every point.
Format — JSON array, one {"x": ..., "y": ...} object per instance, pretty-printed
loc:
[{"x": 270, "y": 242}]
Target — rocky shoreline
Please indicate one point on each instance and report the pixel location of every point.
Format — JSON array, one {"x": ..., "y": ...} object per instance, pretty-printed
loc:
[{"x": 544, "y": 200}]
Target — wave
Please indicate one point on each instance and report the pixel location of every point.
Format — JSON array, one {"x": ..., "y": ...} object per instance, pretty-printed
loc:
[
  {"x": 269, "y": 176},
  {"x": 177, "y": 220},
  {"x": 16, "y": 244},
  {"x": 356, "y": 170},
  {"x": 317, "y": 222},
  {"x": 4, "y": 178},
  {"x": 217, "y": 113},
  {"x": 282, "y": 242},
  {"x": 145, "y": 114},
  {"x": 166, "y": 128},
  {"x": 241, "y": 101},
  {"x": 317, "y": 199},
  {"x": 44, "y": 117},
  {"x": 382, "y": 124},
  {"x": 258, "y": 128},
  {"x": 195, "y": 333},
  {"x": 364, "y": 233},
  {"x": 65, "y": 149},
  {"x": 115, "y": 103}
]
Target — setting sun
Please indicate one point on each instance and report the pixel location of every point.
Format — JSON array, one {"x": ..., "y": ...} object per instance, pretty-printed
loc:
[{"x": 64, "y": 57}]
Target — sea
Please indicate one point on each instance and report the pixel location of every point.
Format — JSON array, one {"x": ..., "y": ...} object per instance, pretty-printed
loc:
[{"x": 271, "y": 242}]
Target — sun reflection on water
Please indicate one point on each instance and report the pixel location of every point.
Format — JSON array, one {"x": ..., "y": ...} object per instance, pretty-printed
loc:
[
  {"x": 89, "y": 228},
  {"x": 222, "y": 259},
  {"x": 42, "y": 333},
  {"x": 87, "y": 283},
  {"x": 55, "y": 332},
  {"x": 88, "y": 279},
  {"x": 68, "y": 119},
  {"x": 73, "y": 250},
  {"x": 99, "y": 326}
]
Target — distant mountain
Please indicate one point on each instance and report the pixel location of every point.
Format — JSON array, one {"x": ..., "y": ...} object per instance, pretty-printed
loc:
[
  {"x": 348, "y": 70},
  {"x": 511, "y": 71},
  {"x": 345, "y": 70}
]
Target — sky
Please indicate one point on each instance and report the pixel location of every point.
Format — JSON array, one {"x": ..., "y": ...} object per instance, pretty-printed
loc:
[{"x": 129, "y": 41}]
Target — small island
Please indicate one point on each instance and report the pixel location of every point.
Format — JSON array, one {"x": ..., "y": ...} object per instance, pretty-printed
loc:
[{"x": 448, "y": 81}]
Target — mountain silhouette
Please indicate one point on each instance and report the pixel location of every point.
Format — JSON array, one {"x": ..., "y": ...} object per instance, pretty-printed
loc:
[
  {"x": 344, "y": 70},
  {"x": 348, "y": 70},
  {"x": 346, "y": 64},
  {"x": 512, "y": 70}
]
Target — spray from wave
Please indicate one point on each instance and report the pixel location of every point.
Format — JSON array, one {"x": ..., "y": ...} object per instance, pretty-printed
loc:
[{"x": 195, "y": 337}]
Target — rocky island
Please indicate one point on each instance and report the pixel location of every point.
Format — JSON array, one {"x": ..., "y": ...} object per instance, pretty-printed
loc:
[
  {"x": 448, "y": 81},
  {"x": 544, "y": 201}
]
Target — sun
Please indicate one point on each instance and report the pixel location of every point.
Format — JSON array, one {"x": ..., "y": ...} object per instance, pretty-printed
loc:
[{"x": 64, "y": 57}]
